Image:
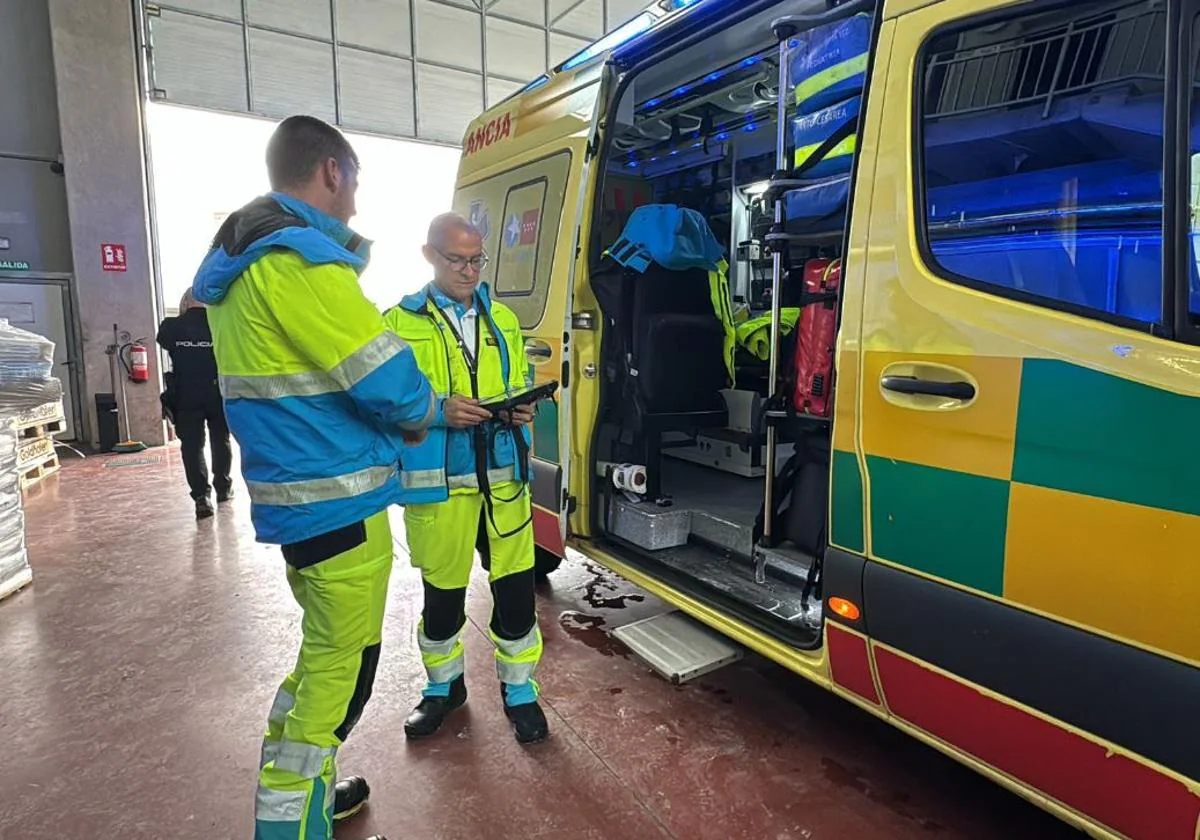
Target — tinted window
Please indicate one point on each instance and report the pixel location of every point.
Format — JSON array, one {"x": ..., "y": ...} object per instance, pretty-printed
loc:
[{"x": 1043, "y": 144}]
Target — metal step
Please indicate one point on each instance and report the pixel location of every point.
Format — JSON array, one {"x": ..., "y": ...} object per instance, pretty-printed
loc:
[{"x": 678, "y": 647}]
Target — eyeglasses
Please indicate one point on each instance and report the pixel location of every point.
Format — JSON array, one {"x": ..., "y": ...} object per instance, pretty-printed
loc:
[{"x": 479, "y": 262}]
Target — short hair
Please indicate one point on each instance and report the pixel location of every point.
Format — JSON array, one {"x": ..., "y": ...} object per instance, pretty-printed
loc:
[
  {"x": 441, "y": 226},
  {"x": 299, "y": 146}
]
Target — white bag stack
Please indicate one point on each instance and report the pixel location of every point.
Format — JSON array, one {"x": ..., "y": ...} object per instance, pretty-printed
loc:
[{"x": 26, "y": 362}]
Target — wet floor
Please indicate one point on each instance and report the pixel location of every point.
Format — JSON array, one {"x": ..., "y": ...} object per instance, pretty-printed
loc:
[{"x": 139, "y": 666}]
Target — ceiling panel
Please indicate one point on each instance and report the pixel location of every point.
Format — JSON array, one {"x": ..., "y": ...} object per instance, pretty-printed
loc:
[
  {"x": 379, "y": 24},
  {"x": 585, "y": 19},
  {"x": 530, "y": 11},
  {"x": 291, "y": 75},
  {"x": 621, "y": 11},
  {"x": 307, "y": 17},
  {"x": 447, "y": 100},
  {"x": 224, "y": 8},
  {"x": 449, "y": 36},
  {"x": 377, "y": 92},
  {"x": 199, "y": 62},
  {"x": 515, "y": 50}
]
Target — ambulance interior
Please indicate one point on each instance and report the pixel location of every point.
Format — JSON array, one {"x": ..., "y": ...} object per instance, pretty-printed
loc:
[{"x": 698, "y": 130}]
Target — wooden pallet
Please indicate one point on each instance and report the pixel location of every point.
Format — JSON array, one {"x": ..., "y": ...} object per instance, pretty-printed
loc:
[
  {"x": 34, "y": 472},
  {"x": 33, "y": 450},
  {"x": 44, "y": 421}
]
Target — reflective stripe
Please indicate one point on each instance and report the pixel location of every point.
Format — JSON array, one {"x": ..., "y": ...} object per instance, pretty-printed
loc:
[
  {"x": 517, "y": 659},
  {"x": 320, "y": 489},
  {"x": 305, "y": 760},
  {"x": 270, "y": 749},
  {"x": 443, "y": 660},
  {"x": 501, "y": 475},
  {"x": 308, "y": 384},
  {"x": 830, "y": 76},
  {"x": 425, "y": 421},
  {"x": 846, "y": 147},
  {"x": 284, "y": 702},
  {"x": 280, "y": 805},
  {"x": 362, "y": 362},
  {"x": 422, "y": 479}
]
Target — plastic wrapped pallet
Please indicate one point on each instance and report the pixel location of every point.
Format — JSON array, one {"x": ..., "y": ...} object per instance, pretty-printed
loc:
[{"x": 26, "y": 362}]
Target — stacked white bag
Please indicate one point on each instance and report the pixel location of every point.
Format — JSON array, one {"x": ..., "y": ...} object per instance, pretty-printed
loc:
[{"x": 26, "y": 362}]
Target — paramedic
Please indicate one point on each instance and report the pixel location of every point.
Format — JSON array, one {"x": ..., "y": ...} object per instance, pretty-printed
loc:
[
  {"x": 472, "y": 472},
  {"x": 321, "y": 397},
  {"x": 194, "y": 401}
]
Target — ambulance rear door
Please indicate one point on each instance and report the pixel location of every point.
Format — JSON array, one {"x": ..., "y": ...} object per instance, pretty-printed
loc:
[{"x": 523, "y": 181}]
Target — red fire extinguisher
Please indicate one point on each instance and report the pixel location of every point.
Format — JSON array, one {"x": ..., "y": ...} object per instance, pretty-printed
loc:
[{"x": 139, "y": 363}]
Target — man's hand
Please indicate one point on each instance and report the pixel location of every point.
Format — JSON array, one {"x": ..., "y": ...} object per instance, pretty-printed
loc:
[
  {"x": 413, "y": 438},
  {"x": 463, "y": 413},
  {"x": 522, "y": 415}
]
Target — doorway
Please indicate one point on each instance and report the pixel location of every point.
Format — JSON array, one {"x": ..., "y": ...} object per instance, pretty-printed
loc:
[{"x": 41, "y": 304}]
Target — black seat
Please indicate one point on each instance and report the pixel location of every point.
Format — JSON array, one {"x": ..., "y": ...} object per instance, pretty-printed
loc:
[{"x": 668, "y": 361}]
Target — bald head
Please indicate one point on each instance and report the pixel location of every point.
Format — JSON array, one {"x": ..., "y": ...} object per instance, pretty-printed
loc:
[
  {"x": 454, "y": 248},
  {"x": 447, "y": 226}
]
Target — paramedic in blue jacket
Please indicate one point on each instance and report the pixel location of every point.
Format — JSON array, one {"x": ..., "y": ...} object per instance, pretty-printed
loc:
[
  {"x": 471, "y": 477},
  {"x": 321, "y": 397}
]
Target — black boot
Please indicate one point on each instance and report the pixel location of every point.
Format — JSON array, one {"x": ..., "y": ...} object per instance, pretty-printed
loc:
[
  {"x": 350, "y": 796},
  {"x": 224, "y": 496},
  {"x": 431, "y": 712},
  {"x": 528, "y": 721},
  {"x": 204, "y": 508}
]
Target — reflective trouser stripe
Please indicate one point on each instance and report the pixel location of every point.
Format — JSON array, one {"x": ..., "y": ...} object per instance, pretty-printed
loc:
[
  {"x": 297, "y": 813},
  {"x": 443, "y": 660},
  {"x": 829, "y": 77},
  {"x": 517, "y": 659},
  {"x": 319, "y": 489},
  {"x": 285, "y": 700}
]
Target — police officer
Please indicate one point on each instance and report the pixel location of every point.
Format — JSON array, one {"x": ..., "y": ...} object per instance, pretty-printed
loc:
[
  {"x": 471, "y": 475},
  {"x": 321, "y": 397},
  {"x": 194, "y": 399}
]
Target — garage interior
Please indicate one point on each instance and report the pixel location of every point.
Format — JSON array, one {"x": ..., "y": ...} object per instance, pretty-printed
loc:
[{"x": 140, "y": 649}]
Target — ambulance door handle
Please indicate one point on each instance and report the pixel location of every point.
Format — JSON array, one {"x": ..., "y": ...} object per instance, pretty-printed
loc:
[
  {"x": 911, "y": 385},
  {"x": 538, "y": 352}
]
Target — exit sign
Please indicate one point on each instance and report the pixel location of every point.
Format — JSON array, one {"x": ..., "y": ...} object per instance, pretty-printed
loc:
[{"x": 14, "y": 265}]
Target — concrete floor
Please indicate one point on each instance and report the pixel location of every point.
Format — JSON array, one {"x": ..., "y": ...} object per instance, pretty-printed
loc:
[{"x": 138, "y": 668}]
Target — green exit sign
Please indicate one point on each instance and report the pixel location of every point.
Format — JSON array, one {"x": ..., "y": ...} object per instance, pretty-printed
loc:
[{"x": 13, "y": 265}]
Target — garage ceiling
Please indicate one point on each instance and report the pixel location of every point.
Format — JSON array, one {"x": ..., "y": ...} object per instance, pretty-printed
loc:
[{"x": 405, "y": 68}]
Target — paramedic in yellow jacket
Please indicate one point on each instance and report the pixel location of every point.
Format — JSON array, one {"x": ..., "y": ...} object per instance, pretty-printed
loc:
[
  {"x": 472, "y": 473},
  {"x": 321, "y": 397}
]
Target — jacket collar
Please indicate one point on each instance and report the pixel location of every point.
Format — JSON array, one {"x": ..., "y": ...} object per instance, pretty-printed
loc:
[{"x": 339, "y": 232}]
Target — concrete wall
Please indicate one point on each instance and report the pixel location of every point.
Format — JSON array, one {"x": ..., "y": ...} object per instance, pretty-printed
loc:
[{"x": 100, "y": 120}]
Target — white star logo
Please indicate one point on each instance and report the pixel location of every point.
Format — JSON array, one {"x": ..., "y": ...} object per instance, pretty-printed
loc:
[{"x": 512, "y": 232}]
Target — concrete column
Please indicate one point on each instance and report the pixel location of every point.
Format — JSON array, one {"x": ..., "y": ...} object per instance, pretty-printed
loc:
[{"x": 100, "y": 115}]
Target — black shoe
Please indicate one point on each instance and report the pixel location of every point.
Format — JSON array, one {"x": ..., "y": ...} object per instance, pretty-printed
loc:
[
  {"x": 431, "y": 712},
  {"x": 528, "y": 723},
  {"x": 350, "y": 796},
  {"x": 204, "y": 509},
  {"x": 224, "y": 496}
]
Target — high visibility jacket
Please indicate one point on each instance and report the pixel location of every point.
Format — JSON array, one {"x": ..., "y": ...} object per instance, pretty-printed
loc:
[
  {"x": 448, "y": 460},
  {"x": 316, "y": 388}
]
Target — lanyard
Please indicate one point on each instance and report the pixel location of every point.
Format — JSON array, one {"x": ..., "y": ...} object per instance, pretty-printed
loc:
[{"x": 471, "y": 359}]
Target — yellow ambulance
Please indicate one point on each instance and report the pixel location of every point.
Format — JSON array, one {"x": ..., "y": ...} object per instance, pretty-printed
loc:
[{"x": 956, "y": 315}]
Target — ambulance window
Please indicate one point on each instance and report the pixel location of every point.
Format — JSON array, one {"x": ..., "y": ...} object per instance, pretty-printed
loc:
[
  {"x": 1042, "y": 154},
  {"x": 519, "y": 212},
  {"x": 517, "y": 259}
]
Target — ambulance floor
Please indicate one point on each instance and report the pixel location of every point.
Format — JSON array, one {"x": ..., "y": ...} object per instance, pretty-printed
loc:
[{"x": 139, "y": 665}]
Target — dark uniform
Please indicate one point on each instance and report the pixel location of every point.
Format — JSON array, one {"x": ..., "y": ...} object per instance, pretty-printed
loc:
[{"x": 196, "y": 402}]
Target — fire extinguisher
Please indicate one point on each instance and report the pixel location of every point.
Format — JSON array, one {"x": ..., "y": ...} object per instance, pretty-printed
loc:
[{"x": 139, "y": 363}]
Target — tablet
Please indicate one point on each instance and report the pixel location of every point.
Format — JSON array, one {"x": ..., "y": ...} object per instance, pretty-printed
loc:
[{"x": 527, "y": 396}]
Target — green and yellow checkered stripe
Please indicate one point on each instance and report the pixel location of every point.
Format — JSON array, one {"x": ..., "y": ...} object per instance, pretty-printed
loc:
[{"x": 1065, "y": 490}]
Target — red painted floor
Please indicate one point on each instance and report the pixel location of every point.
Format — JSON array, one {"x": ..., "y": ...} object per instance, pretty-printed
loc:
[{"x": 138, "y": 668}]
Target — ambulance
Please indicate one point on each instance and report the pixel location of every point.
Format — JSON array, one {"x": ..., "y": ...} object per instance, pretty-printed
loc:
[{"x": 929, "y": 265}]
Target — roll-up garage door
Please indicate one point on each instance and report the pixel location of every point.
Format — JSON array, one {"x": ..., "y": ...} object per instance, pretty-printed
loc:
[{"x": 404, "y": 68}]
